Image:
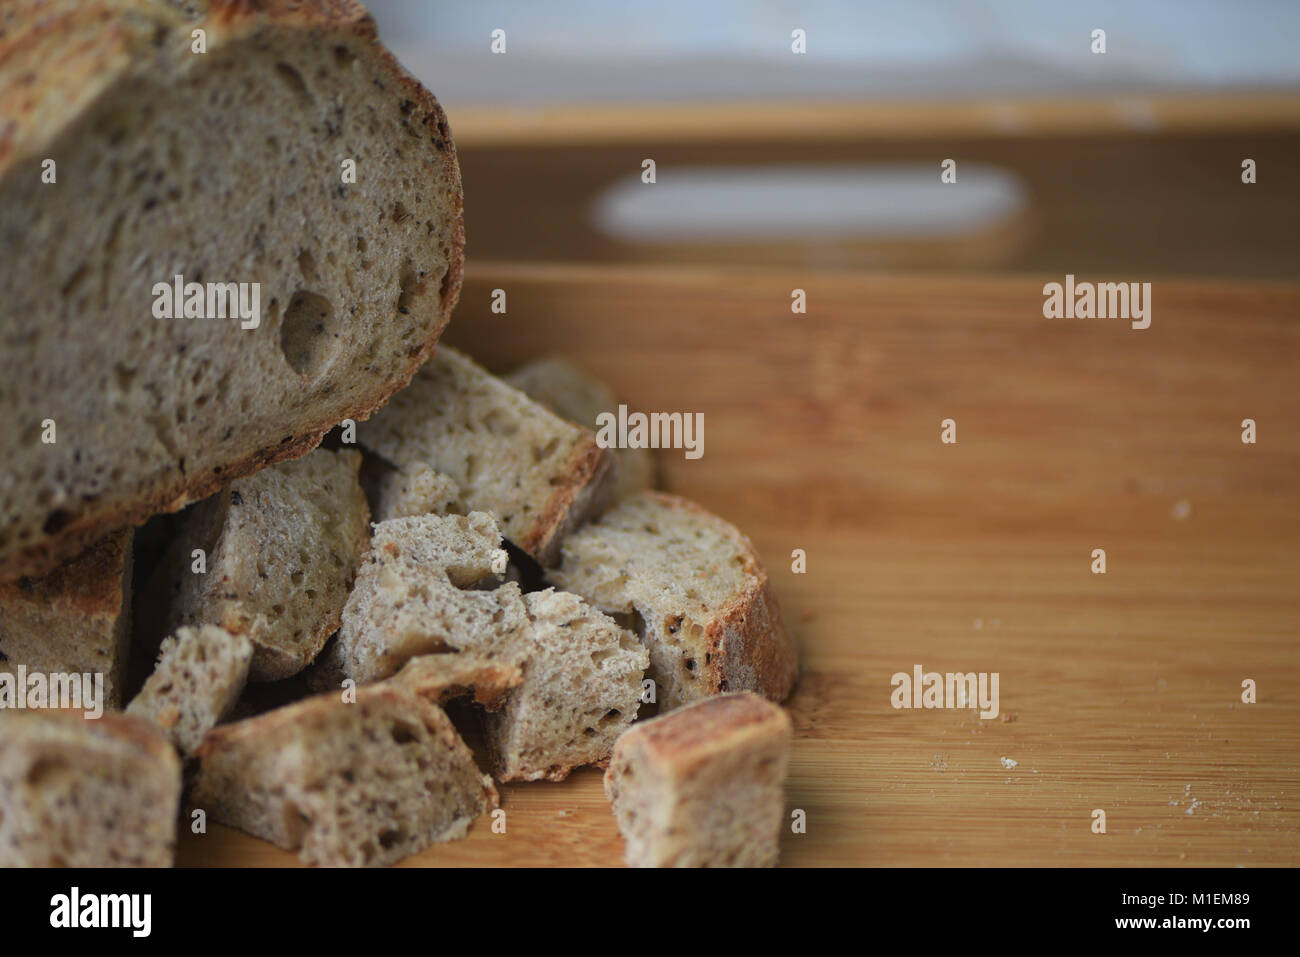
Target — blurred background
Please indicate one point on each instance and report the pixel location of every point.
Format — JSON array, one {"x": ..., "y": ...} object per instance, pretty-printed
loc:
[{"x": 1128, "y": 162}]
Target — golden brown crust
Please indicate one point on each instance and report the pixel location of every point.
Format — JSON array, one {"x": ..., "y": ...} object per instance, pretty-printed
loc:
[
  {"x": 584, "y": 493},
  {"x": 24, "y": 28}
]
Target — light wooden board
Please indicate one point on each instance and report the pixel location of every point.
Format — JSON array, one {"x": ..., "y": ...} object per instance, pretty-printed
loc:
[{"x": 822, "y": 433}]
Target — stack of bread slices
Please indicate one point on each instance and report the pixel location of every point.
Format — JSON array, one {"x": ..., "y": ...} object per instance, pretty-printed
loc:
[{"x": 279, "y": 654}]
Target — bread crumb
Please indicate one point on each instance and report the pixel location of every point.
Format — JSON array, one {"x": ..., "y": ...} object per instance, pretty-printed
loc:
[
  {"x": 1182, "y": 509},
  {"x": 1010, "y": 716},
  {"x": 1008, "y": 763}
]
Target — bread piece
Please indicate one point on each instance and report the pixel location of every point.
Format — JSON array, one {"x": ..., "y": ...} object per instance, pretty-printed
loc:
[
  {"x": 221, "y": 167},
  {"x": 415, "y": 490},
  {"x": 581, "y": 689},
  {"x": 707, "y": 614},
  {"x": 415, "y": 595},
  {"x": 86, "y": 793},
  {"x": 572, "y": 394},
  {"x": 282, "y": 549},
  {"x": 442, "y": 677},
  {"x": 75, "y": 620},
  {"x": 356, "y": 784},
  {"x": 537, "y": 474},
  {"x": 199, "y": 677},
  {"x": 703, "y": 786}
]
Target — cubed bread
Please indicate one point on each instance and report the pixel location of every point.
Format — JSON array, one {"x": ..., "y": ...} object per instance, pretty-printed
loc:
[
  {"x": 75, "y": 620},
  {"x": 416, "y": 594},
  {"x": 707, "y": 613},
  {"x": 703, "y": 786},
  {"x": 575, "y": 395},
  {"x": 86, "y": 793},
  {"x": 345, "y": 784},
  {"x": 282, "y": 549},
  {"x": 536, "y": 474},
  {"x": 415, "y": 490},
  {"x": 198, "y": 679},
  {"x": 581, "y": 689}
]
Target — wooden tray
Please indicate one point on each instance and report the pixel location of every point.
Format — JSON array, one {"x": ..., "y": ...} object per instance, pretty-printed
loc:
[{"x": 1119, "y": 692}]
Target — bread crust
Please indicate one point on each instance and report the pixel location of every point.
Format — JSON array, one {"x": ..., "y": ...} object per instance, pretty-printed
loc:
[{"x": 48, "y": 23}]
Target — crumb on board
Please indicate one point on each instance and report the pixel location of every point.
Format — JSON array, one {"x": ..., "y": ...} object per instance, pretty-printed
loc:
[
  {"x": 1009, "y": 716},
  {"x": 1008, "y": 763}
]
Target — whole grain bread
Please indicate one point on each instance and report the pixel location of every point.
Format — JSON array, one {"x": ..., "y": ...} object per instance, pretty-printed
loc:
[
  {"x": 281, "y": 548},
  {"x": 576, "y": 395},
  {"x": 345, "y": 784},
  {"x": 704, "y": 785},
  {"x": 86, "y": 793},
  {"x": 199, "y": 677},
  {"x": 416, "y": 594},
  {"x": 693, "y": 586},
  {"x": 415, "y": 490},
  {"x": 581, "y": 689},
  {"x": 75, "y": 620},
  {"x": 537, "y": 474},
  {"x": 226, "y": 166}
]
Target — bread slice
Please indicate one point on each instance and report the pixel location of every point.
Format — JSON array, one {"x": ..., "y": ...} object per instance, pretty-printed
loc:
[
  {"x": 694, "y": 587},
  {"x": 282, "y": 549},
  {"x": 703, "y": 786},
  {"x": 575, "y": 395},
  {"x": 537, "y": 474},
  {"x": 199, "y": 677},
  {"x": 581, "y": 689},
  {"x": 415, "y": 490},
  {"x": 75, "y": 620},
  {"x": 415, "y": 595},
  {"x": 366, "y": 783},
  {"x": 227, "y": 166},
  {"x": 86, "y": 793}
]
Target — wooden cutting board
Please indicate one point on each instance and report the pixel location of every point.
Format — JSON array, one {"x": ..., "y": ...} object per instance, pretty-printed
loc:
[{"x": 1119, "y": 692}]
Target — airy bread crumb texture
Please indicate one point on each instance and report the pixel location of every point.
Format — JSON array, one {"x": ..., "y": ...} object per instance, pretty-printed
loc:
[
  {"x": 86, "y": 793},
  {"x": 198, "y": 679},
  {"x": 536, "y": 474},
  {"x": 704, "y": 785},
  {"x": 345, "y": 784},
  {"x": 692, "y": 586},
  {"x": 282, "y": 548},
  {"x": 75, "y": 620}
]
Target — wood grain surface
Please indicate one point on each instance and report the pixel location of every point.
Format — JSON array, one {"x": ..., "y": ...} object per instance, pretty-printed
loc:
[{"x": 1119, "y": 692}]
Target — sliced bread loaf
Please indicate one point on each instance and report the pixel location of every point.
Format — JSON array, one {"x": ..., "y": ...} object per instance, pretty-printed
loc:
[
  {"x": 281, "y": 548},
  {"x": 292, "y": 155},
  {"x": 415, "y": 595},
  {"x": 200, "y": 674},
  {"x": 75, "y": 620},
  {"x": 708, "y": 616},
  {"x": 537, "y": 474},
  {"x": 581, "y": 688},
  {"x": 365, "y": 783},
  {"x": 703, "y": 786},
  {"x": 80, "y": 793},
  {"x": 575, "y": 395}
]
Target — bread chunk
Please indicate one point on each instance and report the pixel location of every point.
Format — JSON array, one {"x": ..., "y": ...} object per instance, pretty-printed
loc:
[
  {"x": 693, "y": 584},
  {"x": 345, "y": 784},
  {"x": 415, "y": 595},
  {"x": 75, "y": 620},
  {"x": 295, "y": 157},
  {"x": 199, "y": 677},
  {"x": 536, "y": 474},
  {"x": 282, "y": 550},
  {"x": 581, "y": 688},
  {"x": 415, "y": 490},
  {"x": 86, "y": 793},
  {"x": 704, "y": 785},
  {"x": 575, "y": 395}
]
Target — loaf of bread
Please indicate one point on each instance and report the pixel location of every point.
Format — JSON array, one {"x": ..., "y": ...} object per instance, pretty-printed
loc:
[
  {"x": 536, "y": 474},
  {"x": 415, "y": 595},
  {"x": 581, "y": 398},
  {"x": 345, "y": 784},
  {"x": 281, "y": 548},
  {"x": 200, "y": 674},
  {"x": 694, "y": 587},
  {"x": 75, "y": 620},
  {"x": 86, "y": 793},
  {"x": 704, "y": 785},
  {"x": 292, "y": 155},
  {"x": 581, "y": 689}
]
